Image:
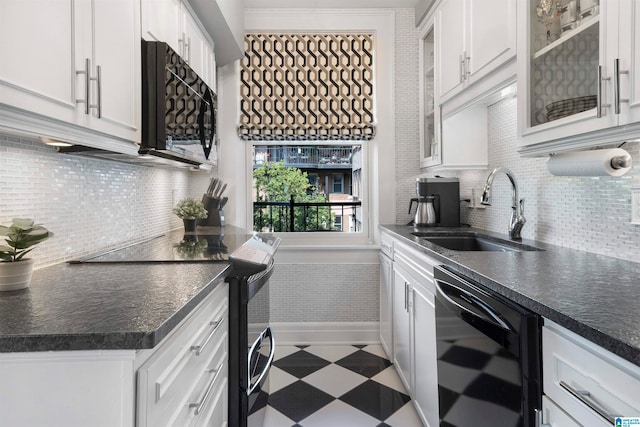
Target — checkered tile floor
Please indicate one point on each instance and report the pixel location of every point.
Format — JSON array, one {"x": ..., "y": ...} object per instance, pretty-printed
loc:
[{"x": 337, "y": 386}]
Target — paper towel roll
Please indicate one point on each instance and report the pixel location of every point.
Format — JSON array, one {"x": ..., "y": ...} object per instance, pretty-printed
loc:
[{"x": 588, "y": 163}]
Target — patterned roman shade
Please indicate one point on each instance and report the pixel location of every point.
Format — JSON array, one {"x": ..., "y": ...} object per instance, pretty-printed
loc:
[{"x": 298, "y": 87}]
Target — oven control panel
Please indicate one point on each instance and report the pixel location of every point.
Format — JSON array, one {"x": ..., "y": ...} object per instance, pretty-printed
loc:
[{"x": 254, "y": 255}]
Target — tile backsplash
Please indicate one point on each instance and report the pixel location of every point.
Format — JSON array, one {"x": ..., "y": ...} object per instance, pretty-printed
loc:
[
  {"x": 586, "y": 213},
  {"x": 89, "y": 204}
]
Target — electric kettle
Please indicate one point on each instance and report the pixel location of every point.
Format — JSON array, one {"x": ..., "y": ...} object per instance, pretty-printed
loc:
[{"x": 425, "y": 212}]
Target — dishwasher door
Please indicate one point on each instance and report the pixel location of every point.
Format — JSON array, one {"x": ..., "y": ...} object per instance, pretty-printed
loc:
[{"x": 488, "y": 356}]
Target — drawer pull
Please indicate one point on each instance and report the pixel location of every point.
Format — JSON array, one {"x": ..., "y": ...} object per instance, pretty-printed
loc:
[
  {"x": 585, "y": 397},
  {"x": 198, "y": 349},
  {"x": 199, "y": 405}
]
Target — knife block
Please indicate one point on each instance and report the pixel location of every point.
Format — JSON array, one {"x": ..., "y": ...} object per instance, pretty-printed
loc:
[{"x": 215, "y": 215}]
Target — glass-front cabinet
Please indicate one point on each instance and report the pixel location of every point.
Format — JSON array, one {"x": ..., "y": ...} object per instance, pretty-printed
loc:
[
  {"x": 575, "y": 72},
  {"x": 430, "y": 147}
]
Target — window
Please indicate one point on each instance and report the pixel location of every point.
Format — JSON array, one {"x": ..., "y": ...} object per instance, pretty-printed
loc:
[
  {"x": 338, "y": 182},
  {"x": 306, "y": 103},
  {"x": 301, "y": 188}
]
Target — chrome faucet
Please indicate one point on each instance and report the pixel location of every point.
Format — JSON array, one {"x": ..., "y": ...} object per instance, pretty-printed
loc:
[{"x": 517, "y": 205}]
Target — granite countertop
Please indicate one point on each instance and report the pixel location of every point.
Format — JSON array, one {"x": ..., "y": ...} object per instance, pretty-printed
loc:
[
  {"x": 595, "y": 296},
  {"x": 106, "y": 305}
]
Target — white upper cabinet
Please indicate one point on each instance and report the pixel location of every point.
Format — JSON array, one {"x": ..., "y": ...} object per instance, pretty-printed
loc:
[
  {"x": 73, "y": 67},
  {"x": 173, "y": 22},
  {"x": 474, "y": 39},
  {"x": 224, "y": 21},
  {"x": 430, "y": 147},
  {"x": 162, "y": 20},
  {"x": 578, "y": 75}
]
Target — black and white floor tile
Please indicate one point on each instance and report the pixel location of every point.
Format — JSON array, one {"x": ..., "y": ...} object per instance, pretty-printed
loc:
[{"x": 337, "y": 386}]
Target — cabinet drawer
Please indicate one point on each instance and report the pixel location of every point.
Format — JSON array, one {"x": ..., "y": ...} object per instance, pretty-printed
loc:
[
  {"x": 553, "y": 416},
  {"x": 166, "y": 381},
  {"x": 200, "y": 406},
  {"x": 589, "y": 383},
  {"x": 386, "y": 244}
]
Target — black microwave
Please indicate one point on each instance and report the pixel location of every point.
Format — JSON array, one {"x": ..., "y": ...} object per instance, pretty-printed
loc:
[{"x": 178, "y": 108}]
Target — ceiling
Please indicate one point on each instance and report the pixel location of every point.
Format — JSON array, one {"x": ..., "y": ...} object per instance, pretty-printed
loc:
[{"x": 329, "y": 4}]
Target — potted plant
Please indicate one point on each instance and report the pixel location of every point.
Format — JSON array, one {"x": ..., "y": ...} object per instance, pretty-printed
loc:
[
  {"x": 190, "y": 210},
  {"x": 20, "y": 236}
]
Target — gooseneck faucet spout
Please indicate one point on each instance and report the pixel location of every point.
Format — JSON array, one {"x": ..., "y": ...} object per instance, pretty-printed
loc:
[{"x": 517, "y": 205}]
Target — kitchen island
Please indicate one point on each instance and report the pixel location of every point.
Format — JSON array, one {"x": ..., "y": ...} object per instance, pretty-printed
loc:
[{"x": 595, "y": 296}]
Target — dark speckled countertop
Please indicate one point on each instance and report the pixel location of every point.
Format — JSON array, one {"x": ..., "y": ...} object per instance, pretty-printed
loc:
[
  {"x": 595, "y": 296},
  {"x": 106, "y": 305}
]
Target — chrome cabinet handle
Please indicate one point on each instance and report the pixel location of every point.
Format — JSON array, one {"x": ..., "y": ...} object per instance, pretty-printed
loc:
[
  {"x": 87, "y": 78},
  {"x": 200, "y": 348},
  {"x": 616, "y": 85},
  {"x": 98, "y": 80},
  {"x": 461, "y": 68},
  {"x": 600, "y": 105},
  {"x": 585, "y": 397},
  {"x": 540, "y": 419},
  {"x": 205, "y": 397},
  {"x": 406, "y": 296},
  {"x": 467, "y": 67},
  {"x": 187, "y": 48},
  {"x": 182, "y": 41}
]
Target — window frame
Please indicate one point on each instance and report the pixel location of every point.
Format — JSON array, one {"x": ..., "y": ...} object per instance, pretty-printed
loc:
[
  {"x": 380, "y": 151},
  {"x": 349, "y": 237}
]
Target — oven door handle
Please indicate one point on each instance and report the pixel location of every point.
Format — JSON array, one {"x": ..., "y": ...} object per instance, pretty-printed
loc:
[
  {"x": 266, "y": 333},
  {"x": 480, "y": 309}
]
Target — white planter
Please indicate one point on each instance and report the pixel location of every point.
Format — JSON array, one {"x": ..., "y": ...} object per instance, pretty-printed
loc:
[{"x": 15, "y": 275}]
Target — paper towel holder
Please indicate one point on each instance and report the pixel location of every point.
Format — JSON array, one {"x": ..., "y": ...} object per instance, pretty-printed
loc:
[
  {"x": 595, "y": 162},
  {"x": 621, "y": 162}
]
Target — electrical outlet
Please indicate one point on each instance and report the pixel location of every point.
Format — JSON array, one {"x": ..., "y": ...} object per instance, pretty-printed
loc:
[
  {"x": 476, "y": 197},
  {"x": 635, "y": 205}
]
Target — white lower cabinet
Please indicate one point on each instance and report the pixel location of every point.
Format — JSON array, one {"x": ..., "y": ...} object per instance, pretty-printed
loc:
[
  {"x": 166, "y": 385},
  {"x": 553, "y": 416},
  {"x": 179, "y": 383},
  {"x": 585, "y": 384},
  {"x": 402, "y": 325},
  {"x": 414, "y": 331},
  {"x": 386, "y": 307}
]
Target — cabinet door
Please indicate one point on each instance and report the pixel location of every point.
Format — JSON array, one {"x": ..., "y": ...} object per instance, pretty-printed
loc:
[
  {"x": 430, "y": 147},
  {"x": 37, "y": 70},
  {"x": 196, "y": 46},
  {"x": 553, "y": 416},
  {"x": 450, "y": 43},
  {"x": 425, "y": 395},
  {"x": 161, "y": 21},
  {"x": 492, "y": 35},
  {"x": 118, "y": 55},
  {"x": 561, "y": 71},
  {"x": 401, "y": 326},
  {"x": 386, "y": 308},
  {"x": 630, "y": 61}
]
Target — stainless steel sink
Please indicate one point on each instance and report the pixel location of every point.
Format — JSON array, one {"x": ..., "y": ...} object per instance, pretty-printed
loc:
[{"x": 474, "y": 242}]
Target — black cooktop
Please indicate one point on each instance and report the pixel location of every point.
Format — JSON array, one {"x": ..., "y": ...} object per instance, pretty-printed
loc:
[{"x": 207, "y": 244}]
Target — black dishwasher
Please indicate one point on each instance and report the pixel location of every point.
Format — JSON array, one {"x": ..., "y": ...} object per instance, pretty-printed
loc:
[{"x": 489, "y": 362}]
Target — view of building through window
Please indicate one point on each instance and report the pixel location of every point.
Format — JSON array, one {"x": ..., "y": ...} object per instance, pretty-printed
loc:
[{"x": 307, "y": 188}]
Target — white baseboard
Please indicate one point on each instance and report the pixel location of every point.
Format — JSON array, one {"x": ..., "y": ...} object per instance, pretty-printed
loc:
[{"x": 326, "y": 333}]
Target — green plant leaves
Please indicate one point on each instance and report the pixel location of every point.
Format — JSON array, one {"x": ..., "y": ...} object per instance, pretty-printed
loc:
[{"x": 20, "y": 235}]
